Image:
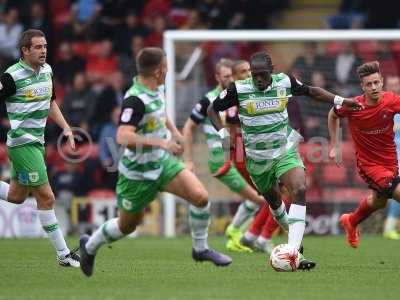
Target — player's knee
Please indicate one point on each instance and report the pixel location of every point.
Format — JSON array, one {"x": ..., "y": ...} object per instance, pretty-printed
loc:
[
  {"x": 298, "y": 193},
  {"x": 46, "y": 200},
  {"x": 127, "y": 228},
  {"x": 200, "y": 197},
  {"x": 16, "y": 197}
]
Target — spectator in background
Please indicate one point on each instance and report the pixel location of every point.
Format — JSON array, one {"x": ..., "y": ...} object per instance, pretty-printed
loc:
[
  {"x": 392, "y": 83},
  {"x": 131, "y": 28},
  {"x": 350, "y": 15},
  {"x": 127, "y": 63},
  {"x": 155, "y": 37},
  {"x": 310, "y": 61},
  {"x": 85, "y": 12},
  {"x": 38, "y": 19},
  {"x": 344, "y": 66},
  {"x": 315, "y": 112},
  {"x": 78, "y": 104},
  {"x": 10, "y": 32},
  {"x": 111, "y": 96},
  {"x": 68, "y": 64},
  {"x": 103, "y": 63},
  {"x": 69, "y": 182},
  {"x": 109, "y": 149}
]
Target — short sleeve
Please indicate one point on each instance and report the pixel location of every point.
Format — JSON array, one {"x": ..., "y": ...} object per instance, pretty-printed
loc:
[
  {"x": 341, "y": 111},
  {"x": 132, "y": 111},
  {"x": 7, "y": 86},
  {"x": 226, "y": 99},
  {"x": 396, "y": 104},
  {"x": 199, "y": 111}
]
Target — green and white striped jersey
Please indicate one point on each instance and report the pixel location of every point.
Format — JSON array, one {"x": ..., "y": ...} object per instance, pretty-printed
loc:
[
  {"x": 28, "y": 107},
  {"x": 144, "y": 109},
  {"x": 263, "y": 116},
  {"x": 199, "y": 115}
]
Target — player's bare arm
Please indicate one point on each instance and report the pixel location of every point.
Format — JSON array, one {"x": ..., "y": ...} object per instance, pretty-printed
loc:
[
  {"x": 323, "y": 95},
  {"x": 333, "y": 126},
  {"x": 127, "y": 136},
  {"x": 56, "y": 115},
  {"x": 188, "y": 130}
]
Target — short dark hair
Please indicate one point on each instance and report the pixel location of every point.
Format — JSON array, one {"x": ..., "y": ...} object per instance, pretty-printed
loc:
[
  {"x": 25, "y": 40},
  {"x": 368, "y": 68},
  {"x": 223, "y": 62},
  {"x": 262, "y": 56},
  {"x": 238, "y": 63},
  {"x": 148, "y": 60}
]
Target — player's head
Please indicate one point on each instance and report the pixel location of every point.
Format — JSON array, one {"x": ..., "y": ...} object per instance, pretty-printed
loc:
[
  {"x": 371, "y": 79},
  {"x": 392, "y": 83},
  {"x": 223, "y": 72},
  {"x": 151, "y": 62},
  {"x": 261, "y": 69},
  {"x": 33, "y": 47},
  {"x": 241, "y": 69}
]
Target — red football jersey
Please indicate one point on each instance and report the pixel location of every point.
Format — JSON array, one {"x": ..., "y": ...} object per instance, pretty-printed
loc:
[{"x": 372, "y": 130}]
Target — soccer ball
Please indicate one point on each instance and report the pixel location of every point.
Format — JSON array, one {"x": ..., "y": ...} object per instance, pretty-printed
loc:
[{"x": 284, "y": 258}]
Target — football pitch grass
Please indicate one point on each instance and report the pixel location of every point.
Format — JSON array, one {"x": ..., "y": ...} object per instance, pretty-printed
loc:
[{"x": 156, "y": 268}]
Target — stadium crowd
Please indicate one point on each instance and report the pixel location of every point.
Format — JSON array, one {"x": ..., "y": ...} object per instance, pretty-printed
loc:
[{"x": 92, "y": 44}]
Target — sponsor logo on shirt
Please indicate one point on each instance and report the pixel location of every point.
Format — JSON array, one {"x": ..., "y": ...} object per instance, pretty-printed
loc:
[
  {"x": 38, "y": 92},
  {"x": 265, "y": 106}
]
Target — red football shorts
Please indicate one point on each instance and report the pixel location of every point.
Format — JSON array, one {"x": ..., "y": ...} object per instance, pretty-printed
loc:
[{"x": 378, "y": 178}]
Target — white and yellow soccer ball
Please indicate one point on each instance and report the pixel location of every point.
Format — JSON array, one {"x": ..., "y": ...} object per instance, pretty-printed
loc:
[{"x": 284, "y": 258}]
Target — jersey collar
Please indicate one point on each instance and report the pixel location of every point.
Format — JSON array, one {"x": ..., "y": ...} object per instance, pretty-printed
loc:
[
  {"x": 28, "y": 67},
  {"x": 142, "y": 88}
]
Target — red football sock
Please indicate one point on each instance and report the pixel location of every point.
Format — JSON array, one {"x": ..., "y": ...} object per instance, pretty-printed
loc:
[
  {"x": 362, "y": 212},
  {"x": 258, "y": 222},
  {"x": 269, "y": 227}
]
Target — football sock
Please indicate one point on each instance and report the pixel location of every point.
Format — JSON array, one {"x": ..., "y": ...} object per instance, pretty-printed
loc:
[
  {"x": 250, "y": 236},
  {"x": 269, "y": 227},
  {"x": 281, "y": 216},
  {"x": 362, "y": 212},
  {"x": 262, "y": 242},
  {"x": 297, "y": 225},
  {"x": 199, "y": 219},
  {"x": 245, "y": 211},
  {"x": 50, "y": 225},
  {"x": 4, "y": 187},
  {"x": 259, "y": 220},
  {"x": 390, "y": 224},
  {"x": 107, "y": 233}
]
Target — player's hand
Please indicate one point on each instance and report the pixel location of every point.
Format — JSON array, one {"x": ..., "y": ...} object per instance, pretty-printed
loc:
[
  {"x": 352, "y": 104},
  {"x": 70, "y": 136},
  {"x": 173, "y": 147},
  {"x": 223, "y": 169},
  {"x": 189, "y": 165},
  {"x": 333, "y": 155}
]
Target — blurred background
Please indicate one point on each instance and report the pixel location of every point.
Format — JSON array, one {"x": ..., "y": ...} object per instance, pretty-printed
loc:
[{"x": 92, "y": 45}]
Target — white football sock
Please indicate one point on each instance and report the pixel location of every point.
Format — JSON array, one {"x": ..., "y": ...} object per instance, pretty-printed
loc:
[
  {"x": 199, "y": 219},
  {"x": 249, "y": 236},
  {"x": 297, "y": 225},
  {"x": 4, "y": 188},
  {"x": 390, "y": 224},
  {"x": 49, "y": 223},
  {"x": 107, "y": 233},
  {"x": 245, "y": 211},
  {"x": 280, "y": 216}
]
